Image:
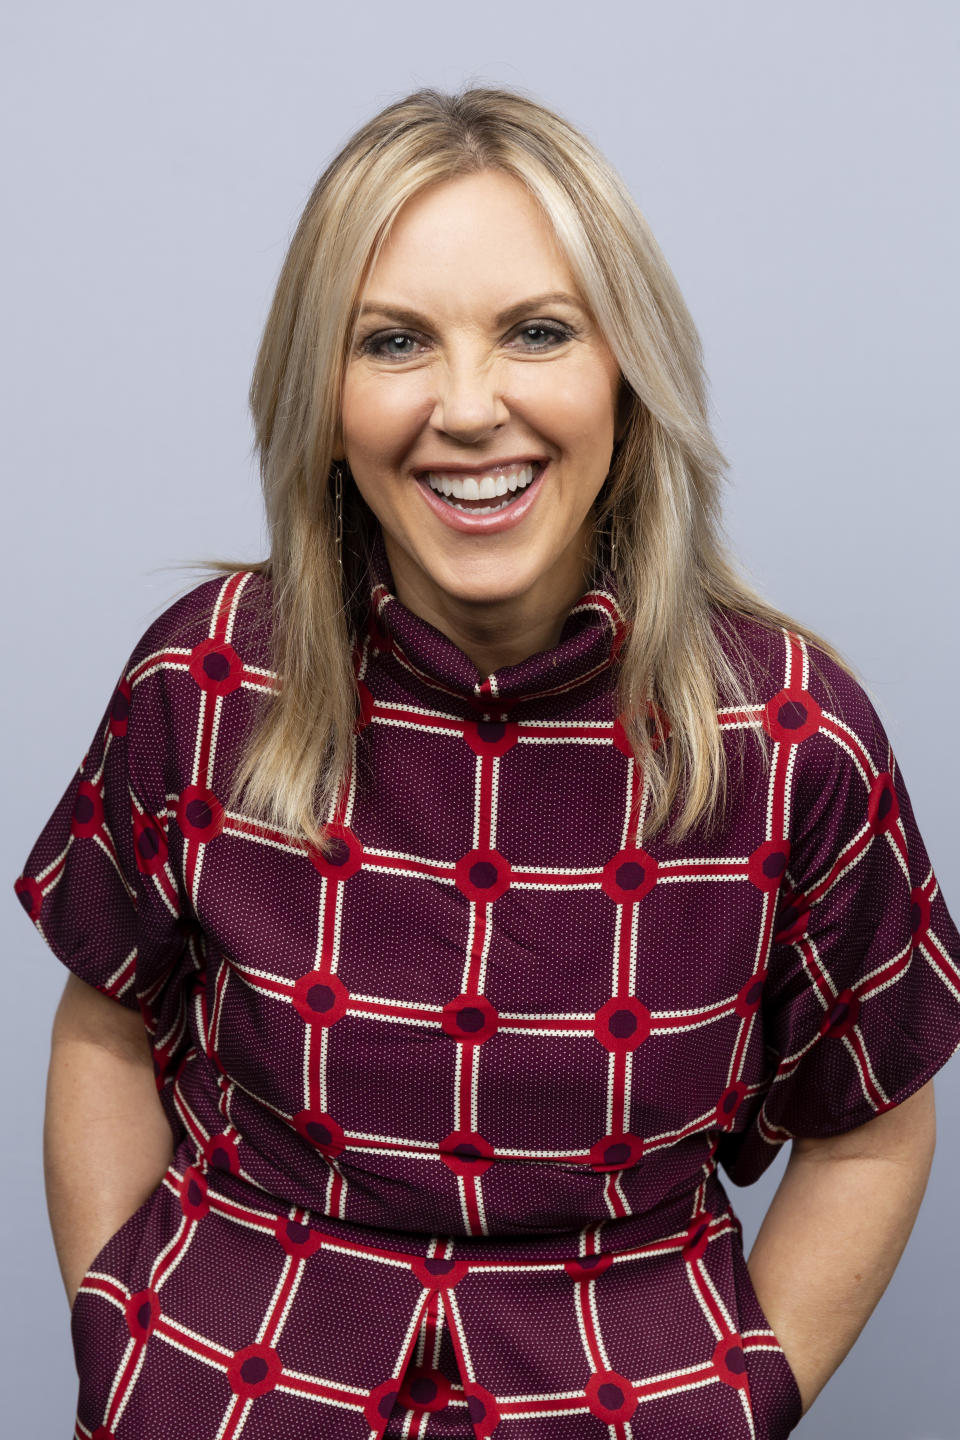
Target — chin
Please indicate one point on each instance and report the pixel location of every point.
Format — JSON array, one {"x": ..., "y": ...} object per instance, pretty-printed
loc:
[{"x": 487, "y": 582}]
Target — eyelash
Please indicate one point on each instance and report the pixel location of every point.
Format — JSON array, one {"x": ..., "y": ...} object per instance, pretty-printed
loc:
[{"x": 371, "y": 344}]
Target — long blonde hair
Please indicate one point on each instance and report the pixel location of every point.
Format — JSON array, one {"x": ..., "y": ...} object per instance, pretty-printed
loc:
[{"x": 676, "y": 582}]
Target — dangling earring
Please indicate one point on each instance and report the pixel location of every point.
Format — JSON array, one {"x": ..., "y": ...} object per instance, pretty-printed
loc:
[
  {"x": 338, "y": 504},
  {"x": 612, "y": 539}
]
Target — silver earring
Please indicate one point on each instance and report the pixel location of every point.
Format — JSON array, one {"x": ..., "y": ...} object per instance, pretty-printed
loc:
[
  {"x": 338, "y": 503},
  {"x": 612, "y": 532}
]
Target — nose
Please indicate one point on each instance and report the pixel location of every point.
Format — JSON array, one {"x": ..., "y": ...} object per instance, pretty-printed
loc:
[{"x": 469, "y": 404}]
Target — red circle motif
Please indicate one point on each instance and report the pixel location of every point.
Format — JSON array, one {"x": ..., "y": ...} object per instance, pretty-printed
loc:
[
  {"x": 380, "y": 1403},
  {"x": 194, "y": 1201},
  {"x": 629, "y": 875},
  {"x": 254, "y": 1371},
  {"x": 750, "y": 995},
  {"x": 221, "y": 1153},
  {"x": 491, "y": 737},
  {"x": 482, "y": 875},
  {"x": 791, "y": 716},
  {"x": 298, "y": 1240},
  {"x": 120, "y": 708},
  {"x": 466, "y": 1153},
  {"x": 610, "y": 1396},
  {"x": 482, "y": 1410},
  {"x": 149, "y": 843},
  {"x": 792, "y": 916},
  {"x": 588, "y": 1267},
  {"x": 469, "y": 1019},
  {"x": 87, "y": 815},
  {"x": 842, "y": 1016},
  {"x": 141, "y": 1312},
  {"x": 729, "y": 1103},
  {"x": 346, "y": 857},
  {"x": 320, "y": 998},
  {"x": 322, "y": 1131},
  {"x": 616, "y": 1151},
  {"x": 698, "y": 1237},
  {"x": 622, "y": 1024},
  {"x": 883, "y": 807},
  {"x": 216, "y": 667},
  {"x": 655, "y": 713},
  {"x": 768, "y": 865},
  {"x": 29, "y": 894},
  {"x": 730, "y": 1363},
  {"x": 438, "y": 1272},
  {"x": 199, "y": 814},
  {"x": 424, "y": 1389}
]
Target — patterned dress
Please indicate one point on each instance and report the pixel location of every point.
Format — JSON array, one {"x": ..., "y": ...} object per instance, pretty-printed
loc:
[{"x": 450, "y": 1107}]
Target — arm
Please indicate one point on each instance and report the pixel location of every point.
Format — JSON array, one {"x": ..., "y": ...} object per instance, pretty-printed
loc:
[
  {"x": 835, "y": 1230},
  {"x": 106, "y": 1138}
]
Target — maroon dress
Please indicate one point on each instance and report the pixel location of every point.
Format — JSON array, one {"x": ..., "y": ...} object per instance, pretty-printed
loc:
[{"x": 449, "y": 1107}]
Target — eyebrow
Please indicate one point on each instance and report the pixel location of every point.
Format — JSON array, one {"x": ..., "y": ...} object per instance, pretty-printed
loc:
[{"x": 513, "y": 312}]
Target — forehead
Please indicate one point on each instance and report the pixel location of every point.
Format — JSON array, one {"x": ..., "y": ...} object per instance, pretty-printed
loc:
[{"x": 475, "y": 238}]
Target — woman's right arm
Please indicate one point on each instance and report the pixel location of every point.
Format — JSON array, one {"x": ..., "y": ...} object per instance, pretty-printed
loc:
[{"x": 106, "y": 1138}]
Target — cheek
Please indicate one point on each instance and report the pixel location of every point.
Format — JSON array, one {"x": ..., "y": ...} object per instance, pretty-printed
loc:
[
  {"x": 380, "y": 415},
  {"x": 574, "y": 407}
]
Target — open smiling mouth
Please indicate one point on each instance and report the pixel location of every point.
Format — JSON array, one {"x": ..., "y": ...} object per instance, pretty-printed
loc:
[{"x": 484, "y": 494}]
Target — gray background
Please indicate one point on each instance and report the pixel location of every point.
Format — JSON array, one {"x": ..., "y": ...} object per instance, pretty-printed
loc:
[{"x": 796, "y": 163}]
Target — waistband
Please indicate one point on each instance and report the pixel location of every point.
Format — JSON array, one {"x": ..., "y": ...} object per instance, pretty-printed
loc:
[{"x": 692, "y": 1217}]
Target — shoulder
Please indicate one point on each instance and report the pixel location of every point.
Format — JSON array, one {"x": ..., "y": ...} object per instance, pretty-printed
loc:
[
  {"x": 756, "y": 652},
  {"x": 808, "y": 698},
  {"x": 194, "y": 671},
  {"x": 211, "y": 642},
  {"x": 230, "y": 611}
]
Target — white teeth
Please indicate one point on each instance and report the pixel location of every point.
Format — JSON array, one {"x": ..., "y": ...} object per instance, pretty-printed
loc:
[
  {"x": 482, "y": 487},
  {"x": 480, "y": 509}
]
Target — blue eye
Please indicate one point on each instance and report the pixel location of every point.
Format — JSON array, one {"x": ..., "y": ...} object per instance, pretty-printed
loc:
[
  {"x": 386, "y": 344},
  {"x": 559, "y": 333},
  {"x": 374, "y": 343}
]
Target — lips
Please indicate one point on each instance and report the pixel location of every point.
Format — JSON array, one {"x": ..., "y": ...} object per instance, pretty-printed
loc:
[{"x": 492, "y": 520}]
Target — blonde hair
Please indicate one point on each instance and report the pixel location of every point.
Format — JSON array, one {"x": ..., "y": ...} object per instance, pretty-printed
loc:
[{"x": 676, "y": 582}]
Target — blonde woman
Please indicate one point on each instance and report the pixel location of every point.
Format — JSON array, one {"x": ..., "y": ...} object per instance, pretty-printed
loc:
[{"x": 452, "y": 897}]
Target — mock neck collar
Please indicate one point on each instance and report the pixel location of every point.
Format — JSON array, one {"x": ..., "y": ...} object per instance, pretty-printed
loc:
[{"x": 589, "y": 645}]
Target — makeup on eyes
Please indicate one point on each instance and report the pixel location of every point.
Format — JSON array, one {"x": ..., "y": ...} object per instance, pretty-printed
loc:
[{"x": 559, "y": 330}]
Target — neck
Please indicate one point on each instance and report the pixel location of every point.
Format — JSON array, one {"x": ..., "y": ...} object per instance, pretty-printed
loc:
[{"x": 499, "y": 632}]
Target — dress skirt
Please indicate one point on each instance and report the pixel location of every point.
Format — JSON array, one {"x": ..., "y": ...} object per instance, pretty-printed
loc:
[{"x": 211, "y": 1315}]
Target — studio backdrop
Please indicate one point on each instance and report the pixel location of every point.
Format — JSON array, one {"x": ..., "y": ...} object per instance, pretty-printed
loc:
[{"x": 796, "y": 165}]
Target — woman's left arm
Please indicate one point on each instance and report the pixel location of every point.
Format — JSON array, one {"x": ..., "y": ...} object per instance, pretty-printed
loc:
[{"x": 834, "y": 1233}]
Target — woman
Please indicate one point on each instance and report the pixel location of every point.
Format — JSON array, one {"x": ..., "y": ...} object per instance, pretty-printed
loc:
[{"x": 480, "y": 875}]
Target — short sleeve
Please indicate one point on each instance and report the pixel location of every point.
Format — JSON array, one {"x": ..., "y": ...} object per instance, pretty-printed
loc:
[
  {"x": 96, "y": 883},
  {"x": 861, "y": 1000}
]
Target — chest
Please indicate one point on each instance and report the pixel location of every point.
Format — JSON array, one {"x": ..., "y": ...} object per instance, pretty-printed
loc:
[{"x": 492, "y": 907}]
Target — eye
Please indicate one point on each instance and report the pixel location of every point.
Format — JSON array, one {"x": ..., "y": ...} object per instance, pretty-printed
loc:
[
  {"x": 384, "y": 344},
  {"x": 554, "y": 332}
]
